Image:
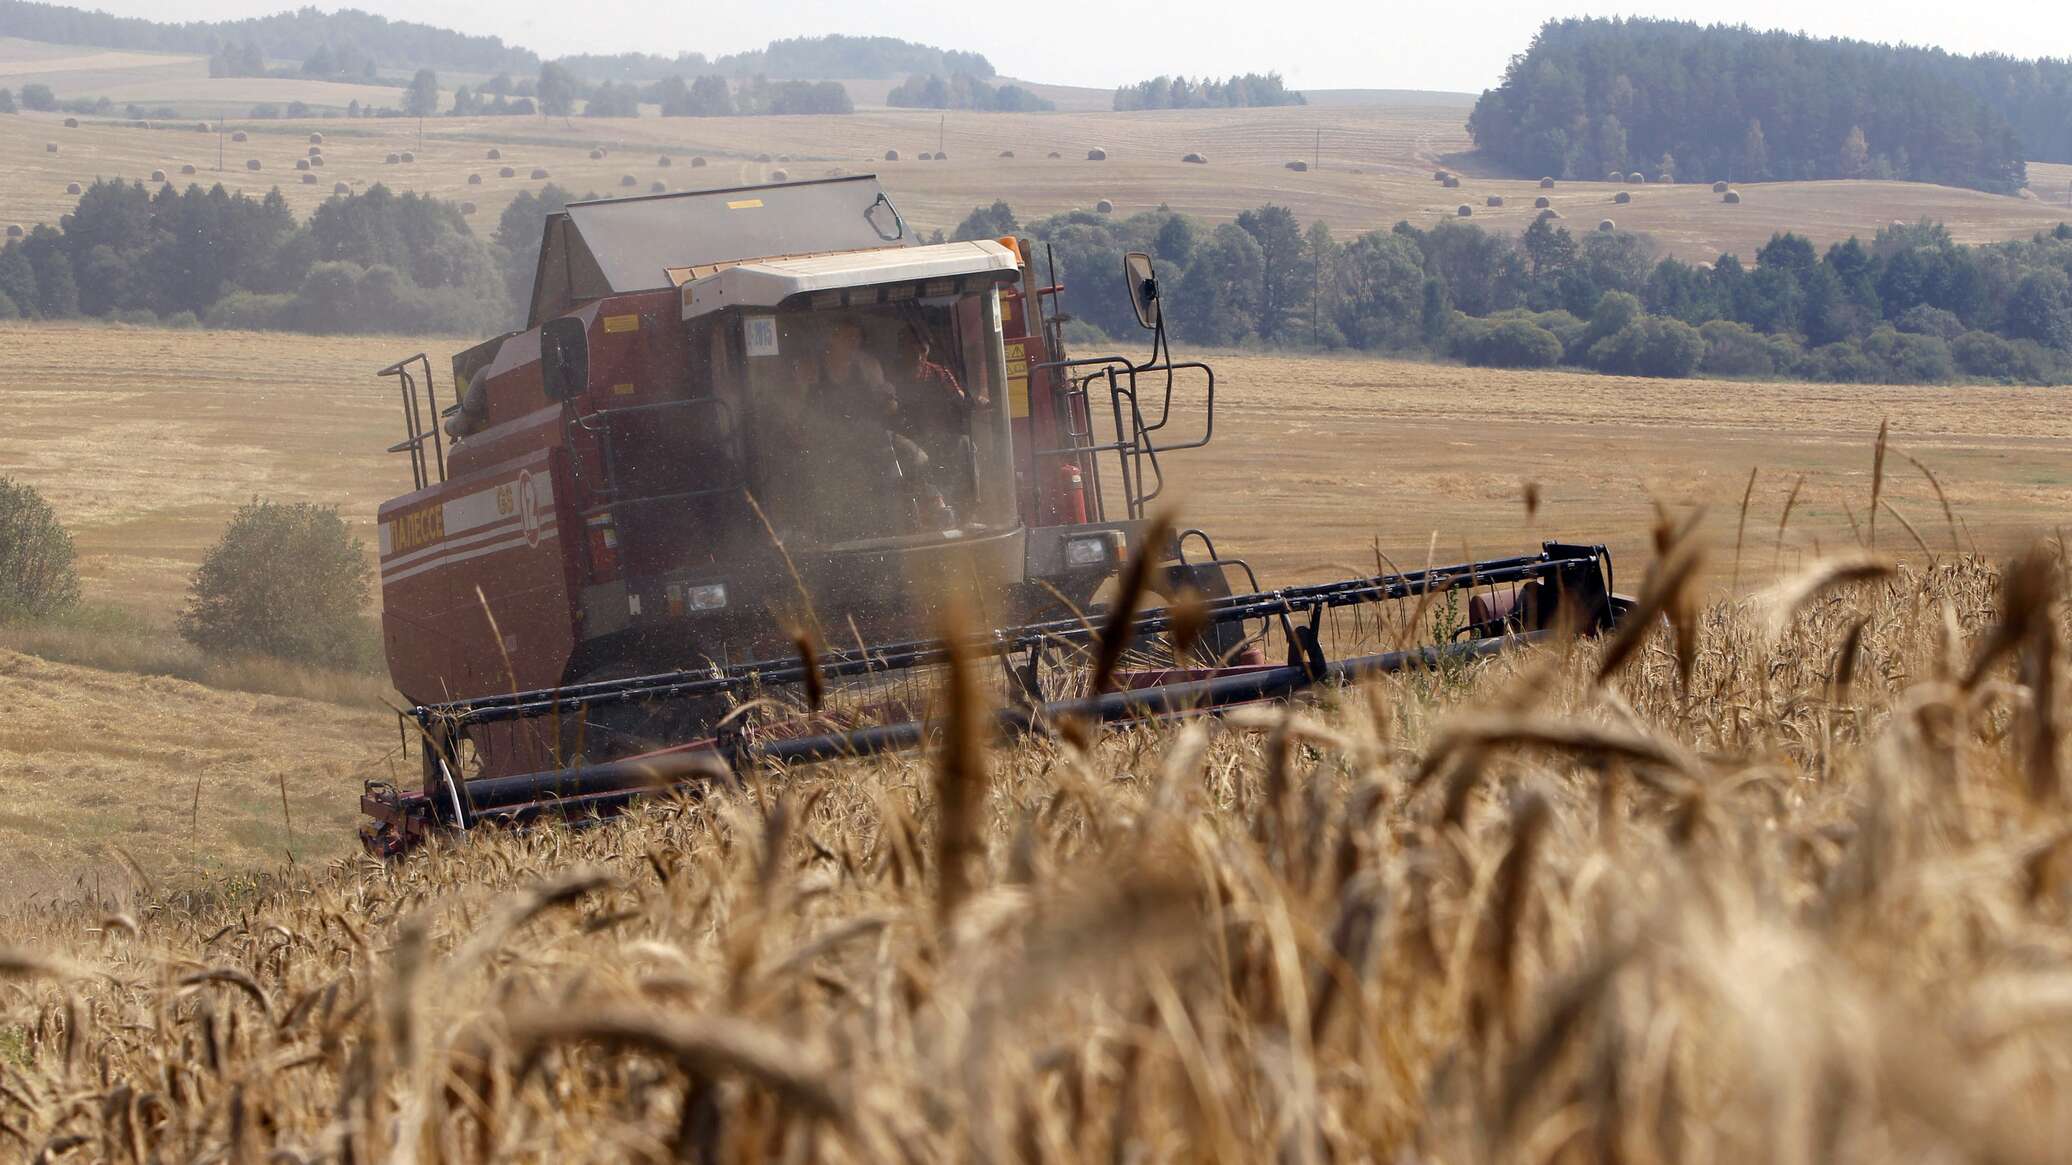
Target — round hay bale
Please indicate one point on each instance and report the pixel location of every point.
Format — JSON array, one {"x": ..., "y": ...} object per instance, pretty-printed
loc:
[
  {"x": 597, "y": 153},
  {"x": 302, "y": 163},
  {"x": 1104, "y": 207},
  {"x": 539, "y": 172},
  {"x": 890, "y": 156},
  {"x": 494, "y": 154},
  {"x": 1007, "y": 153},
  {"x": 50, "y": 147},
  {"x": 658, "y": 188},
  {"x": 1097, "y": 154},
  {"x": 1542, "y": 202},
  {"x": 1607, "y": 225},
  {"x": 467, "y": 208},
  {"x": 764, "y": 159},
  {"x": 1298, "y": 166},
  {"x": 1637, "y": 178},
  {"x": 187, "y": 168},
  {"x": 1731, "y": 198},
  {"x": 1463, "y": 211},
  {"x": 409, "y": 157},
  {"x": 697, "y": 162},
  {"x": 474, "y": 179},
  {"x": 665, "y": 160},
  {"x": 784, "y": 157},
  {"x": 340, "y": 188},
  {"x": 316, "y": 161},
  {"x": 158, "y": 175},
  {"x": 1440, "y": 175},
  {"x": 203, "y": 127},
  {"x": 71, "y": 187},
  {"x": 1546, "y": 184},
  {"x": 15, "y": 231},
  {"x": 1055, "y": 154},
  {"x": 1719, "y": 188},
  {"x": 239, "y": 136},
  {"x": 1549, "y": 214},
  {"x": 252, "y": 164},
  {"x": 925, "y": 156},
  {"x": 940, "y": 156},
  {"x": 316, "y": 139},
  {"x": 1622, "y": 197},
  {"x": 309, "y": 179},
  {"x": 1614, "y": 176},
  {"x": 507, "y": 172},
  {"x": 1195, "y": 159},
  {"x": 71, "y": 123},
  {"x": 1493, "y": 200},
  {"x": 316, "y": 151},
  {"x": 392, "y": 159},
  {"x": 1451, "y": 182},
  {"x": 628, "y": 180},
  {"x": 780, "y": 175}
]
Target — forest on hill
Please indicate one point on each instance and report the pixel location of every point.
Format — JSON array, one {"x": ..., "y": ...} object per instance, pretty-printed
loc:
[
  {"x": 359, "y": 45},
  {"x": 1704, "y": 103}
]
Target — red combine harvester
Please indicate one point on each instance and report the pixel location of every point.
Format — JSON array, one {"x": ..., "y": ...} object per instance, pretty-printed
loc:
[{"x": 742, "y": 418}]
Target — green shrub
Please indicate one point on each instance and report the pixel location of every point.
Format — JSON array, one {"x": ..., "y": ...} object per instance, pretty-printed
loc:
[
  {"x": 287, "y": 581},
  {"x": 1924, "y": 320},
  {"x": 1649, "y": 346},
  {"x": 1511, "y": 343},
  {"x": 1910, "y": 359},
  {"x": 37, "y": 574},
  {"x": 1842, "y": 362},
  {"x": 1733, "y": 349}
]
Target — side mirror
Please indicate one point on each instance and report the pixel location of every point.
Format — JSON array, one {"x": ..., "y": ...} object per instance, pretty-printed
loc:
[
  {"x": 1143, "y": 287},
  {"x": 564, "y": 358}
]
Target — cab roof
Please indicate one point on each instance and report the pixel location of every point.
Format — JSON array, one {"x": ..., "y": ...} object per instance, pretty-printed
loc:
[
  {"x": 769, "y": 282},
  {"x": 621, "y": 245}
]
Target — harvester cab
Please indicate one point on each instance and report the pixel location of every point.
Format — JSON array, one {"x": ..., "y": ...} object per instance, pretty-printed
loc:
[{"x": 748, "y": 443}]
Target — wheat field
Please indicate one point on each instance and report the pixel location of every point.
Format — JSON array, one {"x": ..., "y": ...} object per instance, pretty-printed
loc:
[{"x": 1775, "y": 879}]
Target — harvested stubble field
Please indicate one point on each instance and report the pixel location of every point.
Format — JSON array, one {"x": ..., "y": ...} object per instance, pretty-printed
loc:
[
  {"x": 1787, "y": 884},
  {"x": 1374, "y": 167}
]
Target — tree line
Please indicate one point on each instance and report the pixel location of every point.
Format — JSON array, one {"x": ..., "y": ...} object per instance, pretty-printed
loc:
[
  {"x": 964, "y": 91},
  {"x": 1249, "y": 89},
  {"x": 293, "y": 35},
  {"x": 1909, "y": 306},
  {"x": 805, "y": 57},
  {"x": 1677, "y": 100}
]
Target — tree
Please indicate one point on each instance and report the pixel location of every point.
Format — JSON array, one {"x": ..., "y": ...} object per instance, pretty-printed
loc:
[
  {"x": 1855, "y": 159},
  {"x": 37, "y": 575},
  {"x": 557, "y": 91},
  {"x": 286, "y": 580},
  {"x": 18, "y": 279},
  {"x": 1218, "y": 294},
  {"x": 2041, "y": 309},
  {"x": 1379, "y": 280},
  {"x": 987, "y": 222},
  {"x": 421, "y": 99},
  {"x": 38, "y": 97},
  {"x": 7, "y": 101},
  {"x": 1284, "y": 274},
  {"x": 1755, "y": 153}
]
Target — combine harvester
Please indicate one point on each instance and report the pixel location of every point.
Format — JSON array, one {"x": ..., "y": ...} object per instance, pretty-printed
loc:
[{"x": 703, "y": 512}]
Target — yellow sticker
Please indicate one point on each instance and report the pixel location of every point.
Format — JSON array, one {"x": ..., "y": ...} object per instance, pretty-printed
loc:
[
  {"x": 745, "y": 204},
  {"x": 1017, "y": 379},
  {"x": 628, "y": 323},
  {"x": 622, "y": 390}
]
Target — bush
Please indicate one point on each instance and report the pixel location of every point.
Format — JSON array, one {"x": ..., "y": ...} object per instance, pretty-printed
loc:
[
  {"x": 1513, "y": 343},
  {"x": 1733, "y": 349},
  {"x": 1923, "y": 320},
  {"x": 1990, "y": 357},
  {"x": 1842, "y": 363},
  {"x": 287, "y": 581},
  {"x": 37, "y": 575},
  {"x": 1910, "y": 359},
  {"x": 1649, "y": 346}
]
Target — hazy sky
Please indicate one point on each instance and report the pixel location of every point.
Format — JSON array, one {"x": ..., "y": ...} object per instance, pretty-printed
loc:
[{"x": 1367, "y": 44}]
